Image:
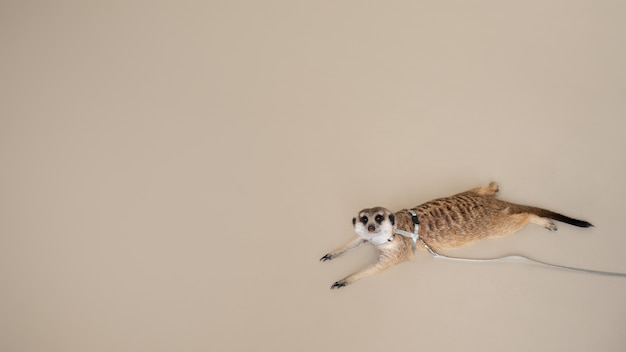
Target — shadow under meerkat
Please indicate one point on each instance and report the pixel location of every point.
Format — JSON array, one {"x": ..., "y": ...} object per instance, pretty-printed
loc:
[{"x": 443, "y": 223}]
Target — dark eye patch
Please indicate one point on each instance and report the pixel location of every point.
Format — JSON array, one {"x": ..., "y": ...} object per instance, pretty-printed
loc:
[
  {"x": 379, "y": 218},
  {"x": 364, "y": 219},
  {"x": 353, "y": 221}
]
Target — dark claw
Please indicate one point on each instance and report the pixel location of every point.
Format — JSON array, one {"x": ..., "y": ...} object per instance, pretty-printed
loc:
[
  {"x": 552, "y": 226},
  {"x": 326, "y": 257},
  {"x": 338, "y": 284}
]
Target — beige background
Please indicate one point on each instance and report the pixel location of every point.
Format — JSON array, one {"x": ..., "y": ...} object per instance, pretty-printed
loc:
[{"x": 172, "y": 172}]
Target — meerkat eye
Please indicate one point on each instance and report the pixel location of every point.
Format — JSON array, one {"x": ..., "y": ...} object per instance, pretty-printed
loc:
[
  {"x": 353, "y": 221},
  {"x": 364, "y": 219},
  {"x": 379, "y": 218},
  {"x": 392, "y": 218}
]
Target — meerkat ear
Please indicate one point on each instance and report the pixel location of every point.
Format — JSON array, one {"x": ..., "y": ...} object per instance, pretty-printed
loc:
[
  {"x": 353, "y": 221},
  {"x": 392, "y": 218}
]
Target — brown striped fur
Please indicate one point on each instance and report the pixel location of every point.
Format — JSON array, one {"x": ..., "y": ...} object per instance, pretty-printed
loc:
[{"x": 445, "y": 223}]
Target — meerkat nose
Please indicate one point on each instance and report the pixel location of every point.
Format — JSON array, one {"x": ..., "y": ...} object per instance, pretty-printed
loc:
[{"x": 371, "y": 228}]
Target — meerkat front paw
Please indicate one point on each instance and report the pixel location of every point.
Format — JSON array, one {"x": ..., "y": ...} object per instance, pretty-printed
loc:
[
  {"x": 338, "y": 284},
  {"x": 326, "y": 257}
]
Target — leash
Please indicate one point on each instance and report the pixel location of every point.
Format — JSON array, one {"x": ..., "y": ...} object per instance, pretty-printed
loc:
[{"x": 414, "y": 236}]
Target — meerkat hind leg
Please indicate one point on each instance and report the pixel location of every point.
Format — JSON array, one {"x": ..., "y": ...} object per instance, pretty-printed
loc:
[
  {"x": 544, "y": 222},
  {"x": 516, "y": 222},
  {"x": 491, "y": 190}
]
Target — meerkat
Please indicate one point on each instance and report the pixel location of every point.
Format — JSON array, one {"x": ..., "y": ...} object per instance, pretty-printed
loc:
[{"x": 442, "y": 223}]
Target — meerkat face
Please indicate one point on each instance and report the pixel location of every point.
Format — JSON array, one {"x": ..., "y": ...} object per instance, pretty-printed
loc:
[{"x": 375, "y": 225}]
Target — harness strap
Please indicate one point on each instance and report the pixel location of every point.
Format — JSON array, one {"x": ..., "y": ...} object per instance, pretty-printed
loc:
[{"x": 415, "y": 235}]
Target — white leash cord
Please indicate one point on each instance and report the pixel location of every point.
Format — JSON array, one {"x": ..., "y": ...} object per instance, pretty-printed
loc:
[{"x": 522, "y": 258}]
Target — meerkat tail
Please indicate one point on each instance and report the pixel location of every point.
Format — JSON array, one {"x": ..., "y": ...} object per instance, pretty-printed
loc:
[{"x": 544, "y": 213}]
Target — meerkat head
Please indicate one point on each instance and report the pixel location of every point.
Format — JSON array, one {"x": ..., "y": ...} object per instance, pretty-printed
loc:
[{"x": 375, "y": 225}]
